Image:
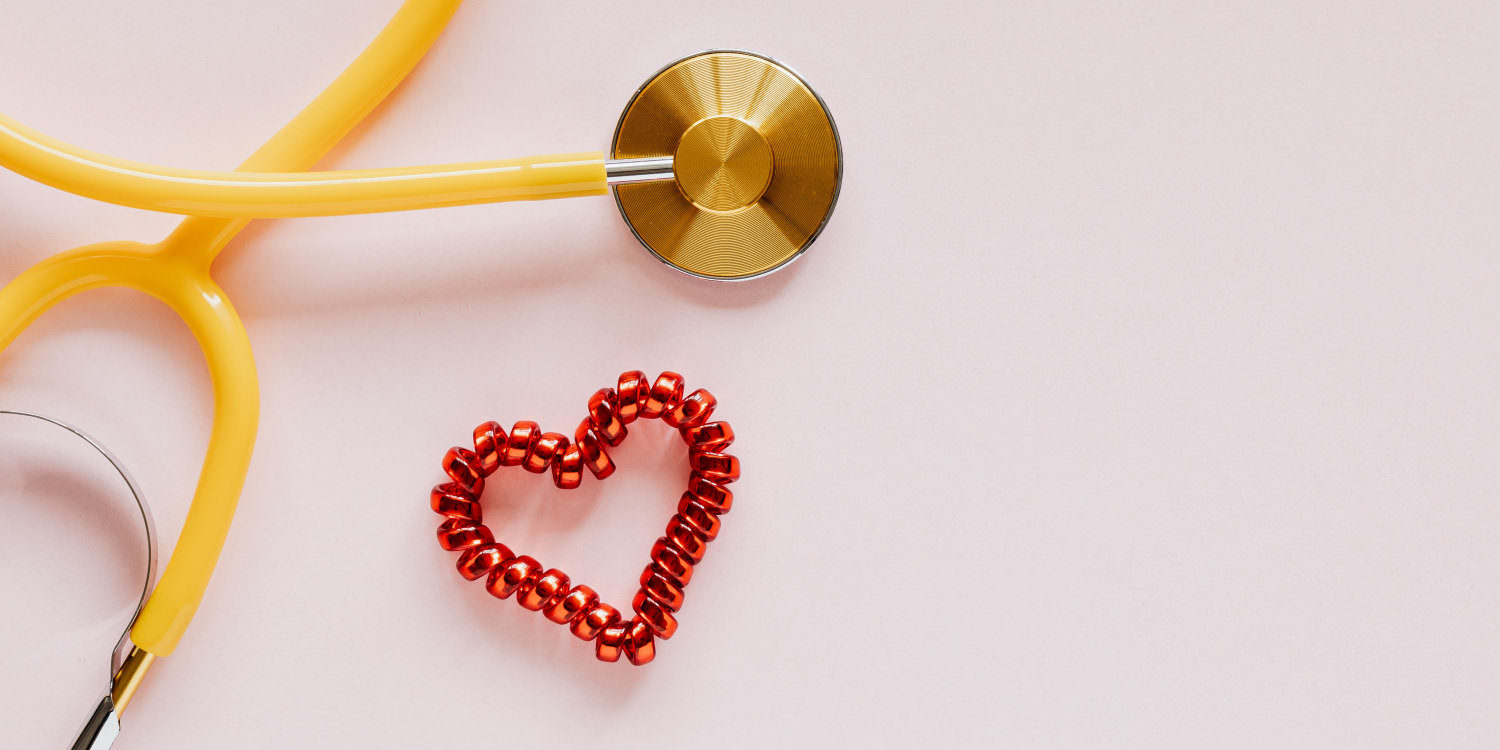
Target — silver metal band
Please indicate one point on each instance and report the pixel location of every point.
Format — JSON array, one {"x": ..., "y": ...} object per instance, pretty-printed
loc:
[
  {"x": 103, "y": 725},
  {"x": 102, "y": 728},
  {"x": 649, "y": 169}
]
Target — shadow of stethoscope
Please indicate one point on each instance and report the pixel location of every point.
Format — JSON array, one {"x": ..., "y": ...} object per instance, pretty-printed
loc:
[{"x": 562, "y": 259}]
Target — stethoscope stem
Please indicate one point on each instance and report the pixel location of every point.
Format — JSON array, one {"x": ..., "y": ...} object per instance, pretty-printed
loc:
[{"x": 649, "y": 169}]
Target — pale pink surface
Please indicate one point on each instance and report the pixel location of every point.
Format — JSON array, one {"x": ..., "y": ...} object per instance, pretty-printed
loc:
[{"x": 1142, "y": 391}]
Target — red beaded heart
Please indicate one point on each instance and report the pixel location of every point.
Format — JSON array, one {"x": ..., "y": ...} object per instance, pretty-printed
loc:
[{"x": 673, "y": 556}]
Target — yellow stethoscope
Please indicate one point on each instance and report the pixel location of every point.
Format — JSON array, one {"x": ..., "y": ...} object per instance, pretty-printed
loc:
[{"x": 726, "y": 165}]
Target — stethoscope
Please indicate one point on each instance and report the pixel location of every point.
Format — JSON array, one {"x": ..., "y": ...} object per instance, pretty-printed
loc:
[{"x": 725, "y": 164}]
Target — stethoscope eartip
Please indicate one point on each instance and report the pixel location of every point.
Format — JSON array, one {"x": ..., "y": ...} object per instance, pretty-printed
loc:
[{"x": 756, "y": 160}]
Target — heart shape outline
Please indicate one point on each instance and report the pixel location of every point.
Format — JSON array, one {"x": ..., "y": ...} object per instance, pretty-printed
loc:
[{"x": 673, "y": 556}]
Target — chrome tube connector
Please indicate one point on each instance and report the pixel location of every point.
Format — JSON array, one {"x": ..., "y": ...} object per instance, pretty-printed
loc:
[
  {"x": 649, "y": 169},
  {"x": 103, "y": 726}
]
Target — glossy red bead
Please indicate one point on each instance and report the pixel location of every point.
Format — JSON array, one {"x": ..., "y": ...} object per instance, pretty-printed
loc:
[
  {"x": 714, "y": 496},
  {"x": 579, "y": 600},
  {"x": 595, "y": 620},
  {"x": 567, "y": 468},
  {"x": 489, "y": 442},
  {"x": 604, "y": 419},
  {"x": 504, "y": 580},
  {"x": 546, "y": 447},
  {"x": 451, "y": 499},
  {"x": 631, "y": 393},
  {"x": 539, "y": 591},
  {"x": 703, "y": 521},
  {"x": 463, "y": 466},
  {"x": 478, "y": 562},
  {"x": 640, "y": 645},
  {"x": 457, "y": 534},
  {"x": 661, "y": 587},
  {"x": 714, "y": 436},
  {"x": 686, "y": 539},
  {"x": 720, "y": 467},
  {"x": 692, "y": 411},
  {"x": 672, "y": 561},
  {"x": 518, "y": 445},
  {"x": 665, "y": 394},
  {"x": 654, "y": 614},
  {"x": 611, "y": 643},
  {"x": 594, "y": 456}
]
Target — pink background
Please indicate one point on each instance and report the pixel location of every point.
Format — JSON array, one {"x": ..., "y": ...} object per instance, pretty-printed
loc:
[{"x": 1142, "y": 391}]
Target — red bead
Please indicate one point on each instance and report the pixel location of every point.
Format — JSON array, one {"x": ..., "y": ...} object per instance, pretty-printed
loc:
[
  {"x": 489, "y": 442},
  {"x": 462, "y": 465},
  {"x": 714, "y": 496},
  {"x": 451, "y": 499},
  {"x": 656, "y": 616},
  {"x": 478, "y": 562},
  {"x": 594, "y": 456},
  {"x": 685, "y": 538},
  {"x": 542, "y": 591},
  {"x": 631, "y": 392},
  {"x": 611, "y": 642},
  {"x": 720, "y": 467},
  {"x": 703, "y": 521},
  {"x": 714, "y": 436},
  {"x": 518, "y": 445},
  {"x": 457, "y": 534},
  {"x": 546, "y": 447},
  {"x": 504, "y": 581},
  {"x": 660, "y": 586},
  {"x": 666, "y": 394},
  {"x": 567, "y": 468},
  {"x": 672, "y": 561},
  {"x": 640, "y": 647},
  {"x": 599, "y": 617},
  {"x": 573, "y": 606},
  {"x": 604, "y": 419},
  {"x": 693, "y": 411}
]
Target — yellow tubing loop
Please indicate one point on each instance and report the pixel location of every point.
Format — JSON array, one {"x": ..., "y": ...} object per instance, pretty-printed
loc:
[{"x": 176, "y": 270}]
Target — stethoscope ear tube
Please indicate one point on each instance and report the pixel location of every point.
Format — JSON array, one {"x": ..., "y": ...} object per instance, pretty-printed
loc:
[{"x": 103, "y": 724}]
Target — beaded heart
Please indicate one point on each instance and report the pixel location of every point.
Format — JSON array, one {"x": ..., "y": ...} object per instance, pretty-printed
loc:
[{"x": 673, "y": 556}]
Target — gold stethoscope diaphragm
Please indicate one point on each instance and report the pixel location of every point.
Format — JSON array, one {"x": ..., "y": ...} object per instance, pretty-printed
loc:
[{"x": 756, "y": 163}]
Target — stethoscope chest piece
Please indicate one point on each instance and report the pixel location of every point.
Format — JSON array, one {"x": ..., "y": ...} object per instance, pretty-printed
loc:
[{"x": 756, "y": 159}]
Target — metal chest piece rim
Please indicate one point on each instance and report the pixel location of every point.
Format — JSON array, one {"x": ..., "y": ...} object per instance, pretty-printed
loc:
[{"x": 757, "y": 165}]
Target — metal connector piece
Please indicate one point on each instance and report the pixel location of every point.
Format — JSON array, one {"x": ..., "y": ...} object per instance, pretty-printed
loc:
[
  {"x": 103, "y": 726},
  {"x": 649, "y": 169},
  {"x": 128, "y": 678},
  {"x": 100, "y": 731}
]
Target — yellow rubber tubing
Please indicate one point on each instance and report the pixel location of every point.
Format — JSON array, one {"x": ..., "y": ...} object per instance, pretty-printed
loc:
[
  {"x": 290, "y": 194},
  {"x": 176, "y": 271}
]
